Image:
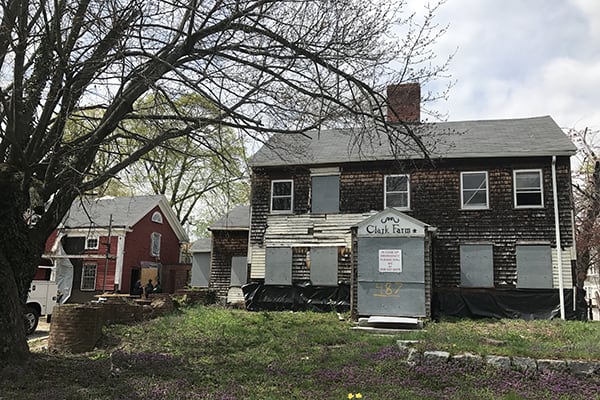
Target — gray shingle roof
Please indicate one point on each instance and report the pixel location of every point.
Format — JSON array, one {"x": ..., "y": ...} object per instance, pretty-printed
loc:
[
  {"x": 236, "y": 219},
  {"x": 521, "y": 137},
  {"x": 93, "y": 212},
  {"x": 202, "y": 245}
]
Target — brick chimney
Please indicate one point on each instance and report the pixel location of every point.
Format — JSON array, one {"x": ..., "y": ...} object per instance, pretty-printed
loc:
[{"x": 405, "y": 99}]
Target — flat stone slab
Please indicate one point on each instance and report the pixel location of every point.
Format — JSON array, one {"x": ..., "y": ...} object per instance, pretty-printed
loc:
[
  {"x": 468, "y": 358},
  {"x": 393, "y": 320},
  {"x": 583, "y": 368},
  {"x": 524, "y": 364},
  {"x": 436, "y": 356},
  {"x": 502, "y": 362},
  {"x": 552, "y": 365},
  {"x": 414, "y": 356},
  {"x": 406, "y": 343}
]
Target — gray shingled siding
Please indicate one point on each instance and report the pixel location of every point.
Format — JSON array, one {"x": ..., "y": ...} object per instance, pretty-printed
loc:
[
  {"x": 227, "y": 244},
  {"x": 435, "y": 200}
]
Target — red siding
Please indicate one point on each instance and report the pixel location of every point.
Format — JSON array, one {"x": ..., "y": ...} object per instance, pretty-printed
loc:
[
  {"x": 102, "y": 283},
  {"x": 137, "y": 246}
]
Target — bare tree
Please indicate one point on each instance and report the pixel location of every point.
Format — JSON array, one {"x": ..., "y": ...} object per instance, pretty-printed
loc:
[
  {"x": 264, "y": 65},
  {"x": 586, "y": 183}
]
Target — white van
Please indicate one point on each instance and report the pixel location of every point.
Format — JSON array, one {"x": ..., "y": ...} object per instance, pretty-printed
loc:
[{"x": 43, "y": 295}]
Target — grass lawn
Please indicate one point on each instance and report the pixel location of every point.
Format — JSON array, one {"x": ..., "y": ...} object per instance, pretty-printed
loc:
[{"x": 217, "y": 353}]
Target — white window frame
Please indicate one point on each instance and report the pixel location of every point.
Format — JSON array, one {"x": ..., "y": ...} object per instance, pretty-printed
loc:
[
  {"x": 291, "y": 196},
  {"x": 83, "y": 285},
  {"x": 92, "y": 238},
  {"x": 462, "y": 191},
  {"x": 155, "y": 239},
  {"x": 540, "y": 191},
  {"x": 157, "y": 217},
  {"x": 386, "y": 192}
]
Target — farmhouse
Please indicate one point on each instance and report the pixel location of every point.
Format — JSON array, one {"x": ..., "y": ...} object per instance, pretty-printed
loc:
[
  {"x": 483, "y": 227},
  {"x": 108, "y": 244}
]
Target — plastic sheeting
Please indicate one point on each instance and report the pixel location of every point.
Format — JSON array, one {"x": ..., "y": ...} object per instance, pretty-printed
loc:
[
  {"x": 525, "y": 304},
  {"x": 298, "y": 297},
  {"x": 64, "y": 276}
]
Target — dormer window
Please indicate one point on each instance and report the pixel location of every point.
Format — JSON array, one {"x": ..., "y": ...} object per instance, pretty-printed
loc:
[{"x": 157, "y": 217}]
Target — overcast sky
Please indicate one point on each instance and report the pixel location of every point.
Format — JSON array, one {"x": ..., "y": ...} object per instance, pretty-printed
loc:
[{"x": 522, "y": 58}]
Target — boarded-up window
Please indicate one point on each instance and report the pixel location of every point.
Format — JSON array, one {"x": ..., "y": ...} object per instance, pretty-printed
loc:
[
  {"x": 278, "y": 268},
  {"x": 201, "y": 270},
  {"x": 534, "y": 267},
  {"x": 239, "y": 271},
  {"x": 476, "y": 265},
  {"x": 325, "y": 194},
  {"x": 323, "y": 266}
]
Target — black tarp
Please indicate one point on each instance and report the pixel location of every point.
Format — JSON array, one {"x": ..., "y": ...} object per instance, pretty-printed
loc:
[
  {"x": 525, "y": 304},
  {"x": 298, "y": 297}
]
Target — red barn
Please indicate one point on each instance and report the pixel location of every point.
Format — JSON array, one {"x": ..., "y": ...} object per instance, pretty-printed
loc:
[{"x": 112, "y": 242}]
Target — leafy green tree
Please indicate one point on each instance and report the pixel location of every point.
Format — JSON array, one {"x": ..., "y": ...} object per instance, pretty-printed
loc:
[
  {"x": 263, "y": 66},
  {"x": 200, "y": 178}
]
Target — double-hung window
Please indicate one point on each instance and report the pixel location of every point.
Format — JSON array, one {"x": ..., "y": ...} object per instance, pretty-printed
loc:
[
  {"x": 88, "y": 277},
  {"x": 528, "y": 188},
  {"x": 397, "y": 191},
  {"x": 282, "y": 196},
  {"x": 155, "y": 244},
  {"x": 474, "y": 190}
]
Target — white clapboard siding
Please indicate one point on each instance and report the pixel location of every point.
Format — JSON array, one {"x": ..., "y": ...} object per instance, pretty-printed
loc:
[
  {"x": 235, "y": 295},
  {"x": 566, "y": 268},
  {"x": 309, "y": 230},
  {"x": 257, "y": 264}
]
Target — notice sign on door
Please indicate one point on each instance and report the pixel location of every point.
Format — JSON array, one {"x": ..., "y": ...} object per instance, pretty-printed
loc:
[{"x": 390, "y": 260}]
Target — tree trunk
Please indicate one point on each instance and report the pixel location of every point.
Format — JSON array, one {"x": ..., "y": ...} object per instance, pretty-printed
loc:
[
  {"x": 19, "y": 256},
  {"x": 13, "y": 342}
]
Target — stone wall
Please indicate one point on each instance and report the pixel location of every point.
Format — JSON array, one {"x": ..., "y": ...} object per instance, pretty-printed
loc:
[{"x": 525, "y": 364}]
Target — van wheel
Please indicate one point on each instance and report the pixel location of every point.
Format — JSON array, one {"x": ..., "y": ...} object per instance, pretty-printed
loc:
[{"x": 31, "y": 317}]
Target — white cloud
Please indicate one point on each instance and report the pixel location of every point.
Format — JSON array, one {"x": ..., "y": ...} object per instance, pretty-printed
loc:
[{"x": 524, "y": 58}]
